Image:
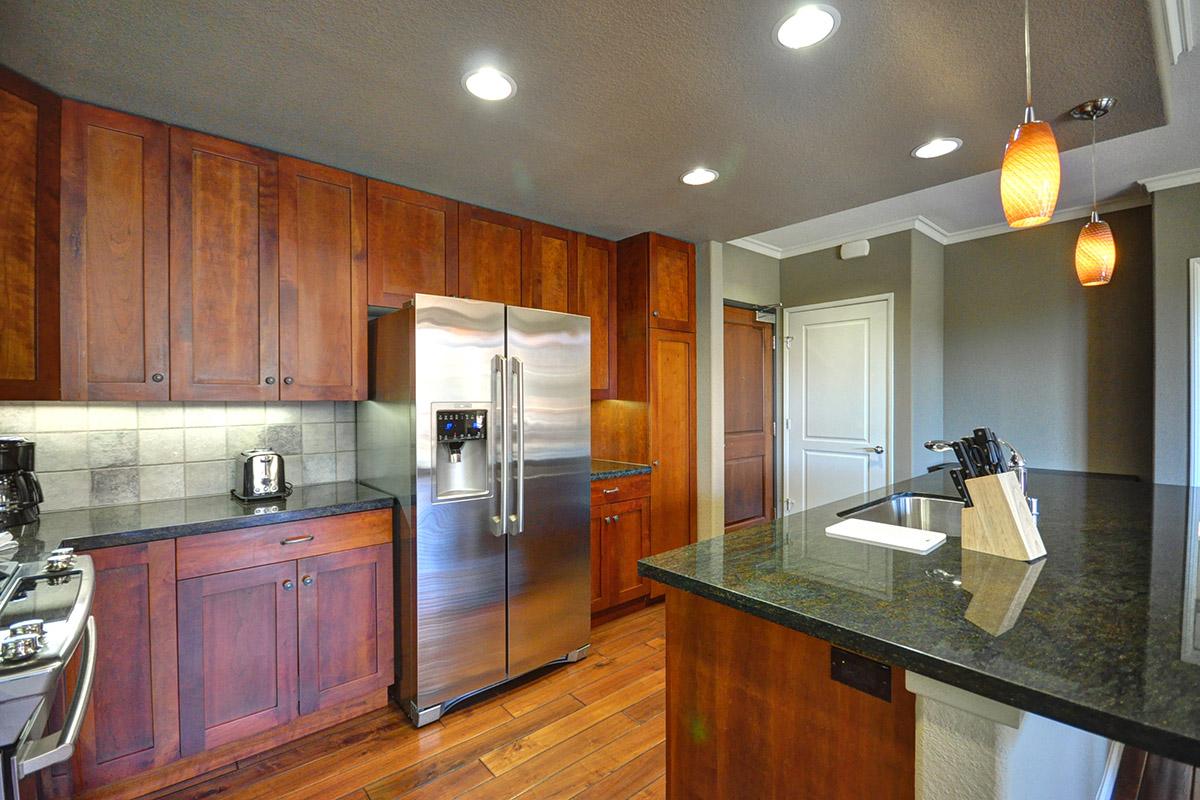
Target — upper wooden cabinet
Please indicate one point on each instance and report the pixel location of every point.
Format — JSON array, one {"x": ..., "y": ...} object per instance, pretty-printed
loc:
[
  {"x": 593, "y": 294},
  {"x": 114, "y": 256},
  {"x": 493, "y": 249},
  {"x": 30, "y": 126},
  {"x": 412, "y": 244},
  {"x": 224, "y": 270},
  {"x": 322, "y": 282},
  {"x": 550, "y": 268},
  {"x": 672, "y": 266}
]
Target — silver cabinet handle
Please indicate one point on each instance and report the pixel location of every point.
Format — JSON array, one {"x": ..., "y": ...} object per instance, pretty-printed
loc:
[
  {"x": 607, "y": 520},
  {"x": 616, "y": 517},
  {"x": 877, "y": 449},
  {"x": 41, "y": 753},
  {"x": 519, "y": 373},
  {"x": 307, "y": 580},
  {"x": 288, "y": 585},
  {"x": 654, "y": 313},
  {"x": 499, "y": 370},
  {"x": 296, "y": 540},
  {"x": 654, "y": 463},
  {"x": 611, "y": 491}
]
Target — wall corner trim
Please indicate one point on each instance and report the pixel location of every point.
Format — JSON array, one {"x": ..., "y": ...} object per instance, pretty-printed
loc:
[{"x": 1171, "y": 180}]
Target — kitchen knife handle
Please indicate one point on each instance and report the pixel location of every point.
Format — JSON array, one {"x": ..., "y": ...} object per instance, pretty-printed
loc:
[{"x": 961, "y": 485}]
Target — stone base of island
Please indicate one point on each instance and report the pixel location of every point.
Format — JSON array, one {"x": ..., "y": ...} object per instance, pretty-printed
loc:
[{"x": 801, "y": 666}]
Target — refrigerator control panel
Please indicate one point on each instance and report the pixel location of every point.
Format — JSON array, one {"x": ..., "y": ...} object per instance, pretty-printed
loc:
[{"x": 462, "y": 425}]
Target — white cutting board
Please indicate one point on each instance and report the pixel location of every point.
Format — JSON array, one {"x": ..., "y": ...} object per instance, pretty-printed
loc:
[{"x": 910, "y": 540}]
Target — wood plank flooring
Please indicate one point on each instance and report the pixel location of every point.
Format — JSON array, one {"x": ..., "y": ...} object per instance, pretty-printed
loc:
[{"x": 594, "y": 730}]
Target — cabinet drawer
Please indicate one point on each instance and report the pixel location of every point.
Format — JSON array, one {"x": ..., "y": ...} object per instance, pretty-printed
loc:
[
  {"x": 268, "y": 544},
  {"x": 613, "y": 490}
]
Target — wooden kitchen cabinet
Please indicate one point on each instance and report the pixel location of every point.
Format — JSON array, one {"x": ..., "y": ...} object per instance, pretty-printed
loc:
[
  {"x": 345, "y": 622},
  {"x": 132, "y": 723},
  {"x": 672, "y": 265},
  {"x": 550, "y": 268},
  {"x": 672, "y": 441},
  {"x": 593, "y": 294},
  {"x": 115, "y": 343},
  {"x": 597, "y": 555},
  {"x": 412, "y": 244},
  {"x": 493, "y": 249},
  {"x": 624, "y": 538},
  {"x": 237, "y": 654},
  {"x": 30, "y": 127},
  {"x": 224, "y": 292},
  {"x": 322, "y": 282}
]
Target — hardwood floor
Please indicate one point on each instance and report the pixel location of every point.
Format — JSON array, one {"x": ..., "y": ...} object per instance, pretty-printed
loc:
[{"x": 593, "y": 730}]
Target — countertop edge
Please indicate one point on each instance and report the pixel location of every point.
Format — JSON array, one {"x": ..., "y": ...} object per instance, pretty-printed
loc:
[
  {"x": 1166, "y": 743},
  {"x": 619, "y": 473}
]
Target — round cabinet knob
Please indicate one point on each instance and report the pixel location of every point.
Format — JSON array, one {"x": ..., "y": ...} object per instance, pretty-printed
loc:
[
  {"x": 157, "y": 377},
  {"x": 19, "y": 648},
  {"x": 270, "y": 381},
  {"x": 307, "y": 580},
  {"x": 616, "y": 517},
  {"x": 654, "y": 463},
  {"x": 288, "y": 585},
  {"x": 654, "y": 313},
  {"x": 288, "y": 380}
]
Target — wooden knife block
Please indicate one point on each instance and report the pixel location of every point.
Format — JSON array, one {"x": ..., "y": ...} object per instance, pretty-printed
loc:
[{"x": 1000, "y": 522}]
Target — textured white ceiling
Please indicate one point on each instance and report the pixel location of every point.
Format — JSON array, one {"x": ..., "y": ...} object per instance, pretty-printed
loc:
[{"x": 616, "y": 97}]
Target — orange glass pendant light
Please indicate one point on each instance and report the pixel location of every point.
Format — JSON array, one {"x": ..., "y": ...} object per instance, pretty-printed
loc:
[
  {"x": 1095, "y": 250},
  {"x": 1030, "y": 173}
]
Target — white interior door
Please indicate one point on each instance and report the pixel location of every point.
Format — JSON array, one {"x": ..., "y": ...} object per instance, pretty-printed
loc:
[{"x": 837, "y": 401}]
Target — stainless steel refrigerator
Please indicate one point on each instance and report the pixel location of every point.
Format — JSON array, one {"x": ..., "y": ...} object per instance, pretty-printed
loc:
[{"x": 479, "y": 423}]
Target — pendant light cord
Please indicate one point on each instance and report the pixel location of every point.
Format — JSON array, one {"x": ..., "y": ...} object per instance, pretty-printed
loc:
[
  {"x": 1028, "y": 68},
  {"x": 1093, "y": 163}
]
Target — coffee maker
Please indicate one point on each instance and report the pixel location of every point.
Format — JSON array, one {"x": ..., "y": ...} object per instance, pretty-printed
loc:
[{"x": 20, "y": 491}]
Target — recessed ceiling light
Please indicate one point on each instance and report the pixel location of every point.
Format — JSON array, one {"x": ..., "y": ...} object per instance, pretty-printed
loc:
[
  {"x": 489, "y": 83},
  {"x": 699, "y": 176},
  {"x": 809, "y": 25},
  {"x": 937, "y": 147}
]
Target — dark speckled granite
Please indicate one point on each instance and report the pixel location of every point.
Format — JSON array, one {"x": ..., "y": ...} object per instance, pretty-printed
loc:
[
  {"x": 110, "y": 526},
  {"x": 604, "y": 470},
  {"x": 1107, "y": 640}
]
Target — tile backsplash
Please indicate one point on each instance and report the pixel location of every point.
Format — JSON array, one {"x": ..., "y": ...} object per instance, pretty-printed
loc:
[{"x": 98, "y": 454}]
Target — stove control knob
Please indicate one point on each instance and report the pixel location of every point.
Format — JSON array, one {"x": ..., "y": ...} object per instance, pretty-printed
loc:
[
  {"x": 61, "y": 559},
  {"x": 20, "y": 648},
  {"x": 27, "y": 626}
]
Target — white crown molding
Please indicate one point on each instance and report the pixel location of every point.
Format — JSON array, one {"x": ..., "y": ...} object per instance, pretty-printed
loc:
[
  {"x": 931, "y": 229},
  {"x": 1171, "y": 180}
]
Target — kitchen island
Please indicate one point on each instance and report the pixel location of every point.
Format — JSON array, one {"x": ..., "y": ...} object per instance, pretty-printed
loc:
[{"x": 1099, "y": 635}]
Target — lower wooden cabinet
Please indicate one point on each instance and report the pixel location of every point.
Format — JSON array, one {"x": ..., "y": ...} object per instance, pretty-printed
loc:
[{"x": 620, "y": 537}]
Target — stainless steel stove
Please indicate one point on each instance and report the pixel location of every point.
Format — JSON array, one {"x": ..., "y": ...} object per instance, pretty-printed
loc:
[{"x": 45, "y": 614}]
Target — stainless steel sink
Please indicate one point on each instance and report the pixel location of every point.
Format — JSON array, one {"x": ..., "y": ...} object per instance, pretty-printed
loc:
[{"x": 913, "y": 511}]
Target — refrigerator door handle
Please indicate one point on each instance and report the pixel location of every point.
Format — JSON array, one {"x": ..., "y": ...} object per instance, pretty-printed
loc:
[
  {"x": 500, "y": 370},
  {"x": 518, "y": 369}
]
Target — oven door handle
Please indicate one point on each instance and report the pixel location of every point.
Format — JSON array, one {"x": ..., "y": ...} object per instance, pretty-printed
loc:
[{"x": 41, "y": 753}]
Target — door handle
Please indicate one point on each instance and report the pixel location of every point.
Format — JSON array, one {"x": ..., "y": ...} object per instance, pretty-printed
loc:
[
  {"x": 499, "y": 366},
  {"x": 519, "y": 374},
  {"x": 296, "y": 540},
  {"x": 877, "y": 449}
]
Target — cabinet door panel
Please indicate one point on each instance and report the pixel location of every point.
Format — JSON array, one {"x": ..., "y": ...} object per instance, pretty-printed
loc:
[
  {"x": 599, "y": 596},
  {"x": 549, "y": 268},
  {"x": 672, "y": 440},
  {"x": 626, "y": 539},
  {"x": 345, "y": 625},
  {"x": 30, "y": 126},
  {"x": 132, "y": 723},
  {"x": 322, "y": 282},
  {"x": 594, "y": 295},
  {"x": 114, "y": 256},
  {"x": 224, "y": 270},
  {"x": 237, "y": 654},
  {"x": 492, "y": 251},
  {"x": 672, "y": 284},
  {"x": 413, "y": 244}
]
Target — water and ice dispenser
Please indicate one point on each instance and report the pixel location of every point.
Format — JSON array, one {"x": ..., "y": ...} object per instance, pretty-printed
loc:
[{"x": 461, "y": 456}]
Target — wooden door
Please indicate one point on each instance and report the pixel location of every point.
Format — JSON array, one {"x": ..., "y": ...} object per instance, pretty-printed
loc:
[
  {"x": 132, "y": 723},
  {"x": 599, "y": 597},
  {"x": 672, "y": 441},
  {"x": 594, "y": 295},
  {"x": 550, "y": 268},
  {"x": 322, "y": 282},
  {"x": 836, "y": 419},
  {"x": 749, "y": 419},
  {"x": 412, "y": 244},
  {"x": 345, "y": 625},
  {"x": 626, "y": 539},
  {"x": 114, "y": 256},
  {"x": 30, "y": 127},
  {"x": 493, "y": 249},
  {"x": 224, "y": 270},
  {"x": 237, "y": 654},
  {"x": 672, "y": 284}
]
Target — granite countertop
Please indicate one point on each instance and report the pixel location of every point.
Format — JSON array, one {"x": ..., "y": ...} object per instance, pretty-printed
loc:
[
  {"x": 604, "y": 470},
  {"x": 110, "y": 526},
  {"x": 1102, "y": 634}
]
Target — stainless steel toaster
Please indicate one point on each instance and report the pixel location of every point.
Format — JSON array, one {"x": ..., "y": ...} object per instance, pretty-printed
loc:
[{"x": 260, "y": 475}]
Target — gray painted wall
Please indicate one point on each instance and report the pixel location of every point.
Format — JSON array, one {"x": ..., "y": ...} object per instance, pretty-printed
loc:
[
  {"x": 822, "y": 277},
  {"x": 1176, "y": 240},
  {"x": 1062, "y": 371},
  {"x": 928, "y": 278},
  {"x": 750, "y": 277}
]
